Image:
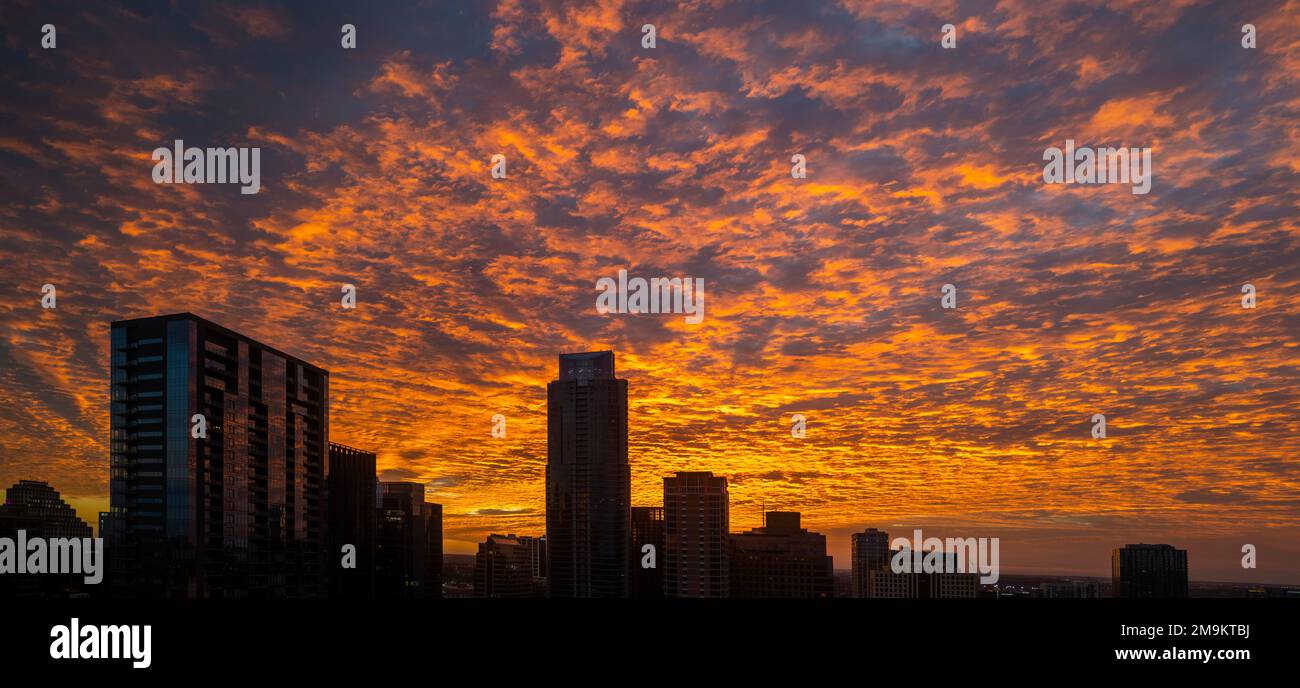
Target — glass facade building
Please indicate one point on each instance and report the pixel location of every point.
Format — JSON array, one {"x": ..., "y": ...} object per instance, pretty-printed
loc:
[
  {"x": 588, "y": 479},
  {"x": 218, "y": 464}
]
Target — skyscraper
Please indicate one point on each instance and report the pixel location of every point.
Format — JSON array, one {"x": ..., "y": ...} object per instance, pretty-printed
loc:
[
  {"x": 218, "y": 463},
  {"x": 35, "y": 508},
  {"x": 503, "y": 568},
  {"x": 352, "y": 518},
  {"x": 1149, "y": 571},
  {"x": 780, "y": 559},
  {"x": 588, "y": 479},
  {"x": 870, "y": 552},
  {"x": 695, "y": 535},
  {"x": 408, "y": 543},
  {"x": 647, "y": 529},
  {"x": 433, "y": 550}
]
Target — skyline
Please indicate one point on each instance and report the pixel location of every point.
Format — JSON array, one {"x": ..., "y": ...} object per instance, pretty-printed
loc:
[
  {"x": 924, "y": 168},
  {"x": 598, "y": 365}
]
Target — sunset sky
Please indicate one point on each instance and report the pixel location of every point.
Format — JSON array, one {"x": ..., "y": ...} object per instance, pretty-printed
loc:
[{"x": 822, "y": 294}]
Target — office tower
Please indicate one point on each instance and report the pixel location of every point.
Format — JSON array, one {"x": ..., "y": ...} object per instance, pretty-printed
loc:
[
  {"x": 503, "y": 568},
  {"x": 588, "y": 479},
  {"x": 695, "y": 535},
  {"x": 433, "y": 550},
  {"x": 352, "y": 519},
  {"x": 647, "y": 529},
  {"x": 408, "y": 543},
  {"x": 236, "y": 509},
  {"x": 536, "y": 558},
  {"x": 1148, "y": 571},
  {"x": 35, "y": 508},
  {"x": 870, "y": 552},
  {"x": 780, "y": 559}
]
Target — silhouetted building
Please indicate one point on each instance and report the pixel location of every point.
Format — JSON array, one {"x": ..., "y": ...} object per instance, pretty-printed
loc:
[
  {"x": 35, "y": 508},
  {"x": 408, "y": 543},
  {"x": 647, "y": 529},
  {"x": 504, "y": 568},
  {"x": 695, "y": 535},
  {"x": 433, "y": 550},
  {"x": 537, "y": 548},
  {"x": 1149, "y": 571},
  {"x": 916, "y": 584},
  {"x": 780, "y": 559},
  {"x": 352, "y": 487},
  {"x": 870, "y": 552},
  {"x": 588, "y": 479},
  {"x": 240, "y": 512}
]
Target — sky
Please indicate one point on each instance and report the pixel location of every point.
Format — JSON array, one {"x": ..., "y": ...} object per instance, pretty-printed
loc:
[{"x": 822, "y": 294}]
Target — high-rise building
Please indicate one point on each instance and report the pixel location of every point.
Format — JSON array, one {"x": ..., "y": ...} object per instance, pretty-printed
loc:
[
  {"x": 503, "y": 567},
  {"x": 916, "y": 583},
  {"x": 647, "y": 529},
  {"x": 408, "y": 543},
  {"x": 870, "y": 552},
  {"x": 588, "y": 479},
  {"x": 218, "y": 463},
  {"x": 433, "y": 550},
  {"x": 35, "y": 508},
  {"x": 695, "y": 535},
  {"x": 352, "y": 517},
  {"x": 537, "y": 559},
  {"x": 780, "y": 559},
  {"x": 1149, "y": 571}
]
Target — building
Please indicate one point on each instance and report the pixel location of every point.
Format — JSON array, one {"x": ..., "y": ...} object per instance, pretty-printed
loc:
[
  {"x": 588, "y": 479},
  {"x": 536, "y": 559},
  {"x": 433, "y": 550},
  {"x": 408, "y": 543},
  {"x": 504, "y": 567},
  {"x": 1149, "y": 571},
  {"x": 647, "y": 529},
  {"x": 885, "y": 584},
  {"x": 695, "y": 535},
  {"x": 35, "y": 508},
  {"x": 916, "y": 584},
  {"x": 352, "y": 520},
  {"x": 869, "y": 552},
  {"x": 780, "y": 559},
  {"x": 218, "y": 463}
]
